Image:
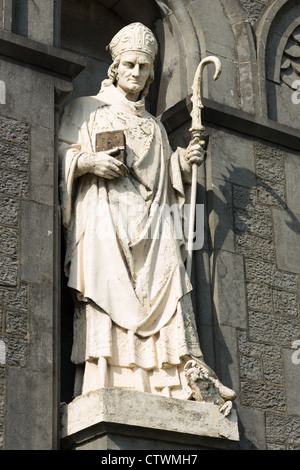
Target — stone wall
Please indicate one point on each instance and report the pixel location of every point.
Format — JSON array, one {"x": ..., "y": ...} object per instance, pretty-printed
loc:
[
  {"x": 256, "y": 290},
  {"x": 35, "y": 76},
  {"x": 248, "y": 293},
  {"x": 14, "y": 295},
  {"x": 246, "y": 277},
  {"x": 26, "y": 261}
]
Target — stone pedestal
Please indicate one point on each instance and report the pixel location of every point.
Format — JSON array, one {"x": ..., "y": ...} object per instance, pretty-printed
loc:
[{"x": 119, "y": 419}]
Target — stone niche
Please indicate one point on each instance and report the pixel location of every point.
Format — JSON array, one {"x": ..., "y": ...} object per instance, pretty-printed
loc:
[{"x": 115, "y": 418}]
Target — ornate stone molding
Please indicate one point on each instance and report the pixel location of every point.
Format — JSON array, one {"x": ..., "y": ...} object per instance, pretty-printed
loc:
[
  {"x": 274, "y": 30},
  {"x": 290, "y": 64},
  {"x": 49, "y": 59}
]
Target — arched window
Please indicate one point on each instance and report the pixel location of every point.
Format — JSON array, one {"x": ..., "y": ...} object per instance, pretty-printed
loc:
[{"x": 279, "y": 59}]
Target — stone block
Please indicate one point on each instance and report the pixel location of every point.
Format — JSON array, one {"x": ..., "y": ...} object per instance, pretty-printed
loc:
[
  {"x": 261, "y": 271},
  {"x": 270, "y": 193},
  {"x": 269, "y": 170},
  {"x": 229, "y": 289},
  {"x": 9, "y": 210},
  {"x": 16, "y": 351},
  {"x": 8, "y": 271},
  {"x": 276, "y": 446},
  {"x": 41, "y": 318},
  {"x": 260, "y": 395},
  {"x": 221, "y": 218},
  {"x": 273, "y": 372},
  {"x": 172, "y": 87},
  {"x": 15, "y": 299},
  {"x": 1, "y": 435},
  {"x": 1, "y": 408},
  {"x": 235, "y": 12},
  {"x": 248, "y": 86},
  {"x": 8, "y": 241},
  {"x": 250, "y": 368},
  {"x": 282, "y": 428},
  {"x": 257, "y": 224},
  {"x": 7, "y": 13},
  {"x": 245, "y": 198},
  {"x": 225, "y": 89},
  {"x": 253, "y": 10},
  {"x": 36, "y": 260},
  {"x": 16, "y": 323},
  {"x": 251, "y": 348},
  {"x": 230, "y": 158},
  {"x": 13, "y": 183},
  {"x": 221, "y": 44},
  {"x": 13, "y": 157},
  {"x": 242, "y": 33},
  {"x": 259, "y": 297},
  {"x": 256, "y": 247},
  {"x": 269, "y": 151},
  {"x": 29, "y": 414},
  {"x": 147, "y": 413},
  {"x": 252, "y": 424},
  {"x": 14, "y": 131},
  {"x": 287, "y": 240},
  {"x": 42, "y": 165},
  {"x": 272, "y": 329},
  {"x": 40, "y": 21},
  {"x": 285, "y": 303},
  {"x": 292, "y": 379},
  {"x": 26, "y": 89},
  {"x": 292, "y": 175},
  {"x": 2, "y": 379}
]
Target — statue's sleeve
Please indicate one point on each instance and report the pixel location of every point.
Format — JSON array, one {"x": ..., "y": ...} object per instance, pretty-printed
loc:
[
  {"x": 74, "y": 140},
  {"x": 179, "y": 169}
]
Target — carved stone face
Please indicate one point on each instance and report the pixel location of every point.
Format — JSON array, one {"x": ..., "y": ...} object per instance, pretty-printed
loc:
[{"x": 133, "y": 72}]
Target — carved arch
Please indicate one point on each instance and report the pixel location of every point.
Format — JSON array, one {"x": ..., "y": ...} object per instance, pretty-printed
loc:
[
  {"x": 218, "y": 27},
  {"x": 187, "y": 32},
  {"x": 290, "y": 65},
  {"x": 278, "y": 36},
  {"x": 246, "y": 54}
]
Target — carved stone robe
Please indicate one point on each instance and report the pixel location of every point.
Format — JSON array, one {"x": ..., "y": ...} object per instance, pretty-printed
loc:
[{"x": 124, "y": 249}]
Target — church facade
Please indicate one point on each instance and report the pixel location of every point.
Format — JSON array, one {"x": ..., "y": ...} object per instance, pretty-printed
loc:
[{"x": 246, "y": 276}]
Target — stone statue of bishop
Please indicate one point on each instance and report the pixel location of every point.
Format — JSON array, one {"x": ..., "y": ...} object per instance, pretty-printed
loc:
[{"x": 134, "y": 325}]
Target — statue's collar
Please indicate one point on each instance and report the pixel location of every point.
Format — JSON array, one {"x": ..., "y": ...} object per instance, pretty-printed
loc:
[{"x": 111, "y": 95}]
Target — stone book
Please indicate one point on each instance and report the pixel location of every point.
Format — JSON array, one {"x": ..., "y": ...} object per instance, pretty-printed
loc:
[{"x": 111, "y": 139}]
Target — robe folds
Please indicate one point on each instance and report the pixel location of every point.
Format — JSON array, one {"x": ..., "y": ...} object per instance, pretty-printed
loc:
[{"x": 125, "y": 240}]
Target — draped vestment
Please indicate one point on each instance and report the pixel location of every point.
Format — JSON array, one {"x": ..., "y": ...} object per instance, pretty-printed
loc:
[{"x": 125, "y": 248}]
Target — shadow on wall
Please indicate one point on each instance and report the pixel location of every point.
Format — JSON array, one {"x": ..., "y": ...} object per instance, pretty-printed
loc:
[
  {"x": 245, "y": 211},
  {"x": 248, "y": 203}
]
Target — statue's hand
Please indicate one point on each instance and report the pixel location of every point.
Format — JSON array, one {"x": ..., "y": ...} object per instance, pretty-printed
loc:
[
  {"x": 102, "y": 164},
  {"x": 195, "y": 152}
]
